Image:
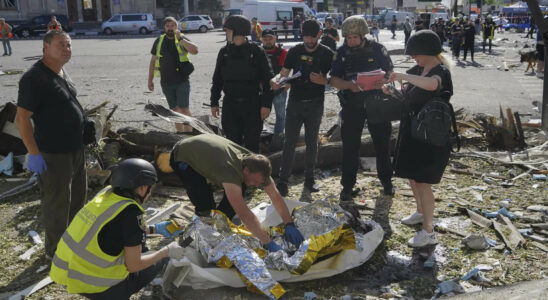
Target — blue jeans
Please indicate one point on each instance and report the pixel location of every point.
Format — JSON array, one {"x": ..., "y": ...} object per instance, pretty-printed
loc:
[
  {"x": 279, "y": 106},
  {"x": 7, "y": 46}
]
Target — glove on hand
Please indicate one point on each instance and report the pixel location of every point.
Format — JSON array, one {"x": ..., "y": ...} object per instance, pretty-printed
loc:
[
  {"x": 175, "y": 251},
  {"x": 161, "y": 229},
  {"x": 293, "y": 235},
  {"x": 36, "y": 163},
  {"x": 273, "y": 247}
]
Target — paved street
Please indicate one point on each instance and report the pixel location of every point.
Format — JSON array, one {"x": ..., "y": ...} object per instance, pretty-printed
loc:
[{"x": 116, "y": 69}]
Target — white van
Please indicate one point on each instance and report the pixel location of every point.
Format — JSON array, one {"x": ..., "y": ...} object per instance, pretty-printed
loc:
[
  {"x": 271, "y": 14},
  {"x": 143, "y": 23}
]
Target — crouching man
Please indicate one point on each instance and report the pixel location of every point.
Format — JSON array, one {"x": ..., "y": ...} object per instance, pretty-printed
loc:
[
  {"x": 100, "y": 254},
  {"x": 212, "y": 158}
]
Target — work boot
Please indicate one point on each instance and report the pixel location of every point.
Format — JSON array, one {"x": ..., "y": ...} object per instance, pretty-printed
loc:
[
  {"x": 346, "y": 195},
  {"x": 282, "y": 188},
  {"x": 388, "y": 189},
  {"x": 311, "y": 185}
]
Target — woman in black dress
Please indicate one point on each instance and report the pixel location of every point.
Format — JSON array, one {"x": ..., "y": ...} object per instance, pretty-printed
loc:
[{"x": 423, "y": 164}]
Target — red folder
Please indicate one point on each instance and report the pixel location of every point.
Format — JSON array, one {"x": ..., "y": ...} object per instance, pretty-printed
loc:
[{"x": 366, "y": 80}]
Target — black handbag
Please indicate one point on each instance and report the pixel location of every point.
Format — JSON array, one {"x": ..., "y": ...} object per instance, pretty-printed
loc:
[
  {"x": 383, "y": 108},
  {"x": 185, "y": 69}
]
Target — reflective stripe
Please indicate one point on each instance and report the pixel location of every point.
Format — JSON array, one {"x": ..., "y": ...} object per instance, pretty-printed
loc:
[
  {"x": 97, "y": 281},
  {"x": 61, "y": 264},
  {"x": 183, "y": 55},
  {"x": 80, "y": 248}
]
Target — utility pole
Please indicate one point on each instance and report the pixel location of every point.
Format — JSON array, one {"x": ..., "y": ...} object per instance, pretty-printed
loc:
[{"x": 542, "y": 26}]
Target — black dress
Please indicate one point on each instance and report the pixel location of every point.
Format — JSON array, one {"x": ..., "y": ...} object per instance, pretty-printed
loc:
[{"x": 414, "y": 159}]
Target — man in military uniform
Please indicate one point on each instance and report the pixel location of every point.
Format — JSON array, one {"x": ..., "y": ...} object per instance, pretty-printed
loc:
[
  {"x": 276, "y": 54},
  {"x": 240, "y": 69},
  {"x": 305, "y": 106},
  {"x": 234, "y": 168},
  {"x": 360, "y": 55}
]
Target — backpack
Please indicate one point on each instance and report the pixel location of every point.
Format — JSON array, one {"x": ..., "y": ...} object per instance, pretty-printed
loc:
[{"x": 432, "y": 124}]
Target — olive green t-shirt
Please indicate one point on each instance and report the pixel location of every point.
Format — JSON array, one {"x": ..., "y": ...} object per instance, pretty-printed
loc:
[{"x": 218, "y": 159}]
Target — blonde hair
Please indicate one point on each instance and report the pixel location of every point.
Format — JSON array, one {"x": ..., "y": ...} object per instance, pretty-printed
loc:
[
  {"x": 444, "y": 61},
  {"x": 171, "y": 19}
]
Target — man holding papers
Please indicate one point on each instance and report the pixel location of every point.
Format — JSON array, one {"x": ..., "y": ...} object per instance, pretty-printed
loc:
[{"x": 358, "y": 72}]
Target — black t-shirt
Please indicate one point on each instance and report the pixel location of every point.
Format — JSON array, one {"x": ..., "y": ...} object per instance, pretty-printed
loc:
[
  {"x": 456, "y": 30},
  {"x": 416, "y": 97},
  {"x": 298, "y": 59},
  {"x": 58, "y": 118},
  {"x": 169, "y": 61},
  {"x": 123, "y": 231},
  {"x": 329, "y": 42},
  {"x": 469, "y": 31},
  {"x": 296, "y": 23}
]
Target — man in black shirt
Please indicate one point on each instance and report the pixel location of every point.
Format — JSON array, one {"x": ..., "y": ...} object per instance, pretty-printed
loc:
[
  {"x": 305, "y": 105},
  {"x": 55, "y": 144},
  {"x": 457, "y": 31},
  {"x": 297, "y": 27},
  {"x": 170, "y": 62},
  {"x": 330, "y": 35},
  {"x": 361, "y": 55},
  {"x": 241, "y": 68},
  {"x": 469, "y": 36}
]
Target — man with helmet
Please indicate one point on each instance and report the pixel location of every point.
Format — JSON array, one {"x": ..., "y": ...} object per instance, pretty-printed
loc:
[
  {"x": 241, "y": 69},
  {"x": 330, "y": 35},
  {"x": 488, "y": 30},
  {"x": 101, "y": 253},
  {"x": 276, "y": 55},
  {"x": 209, "y": 158},
  {"x": 305, "y": 105},
  {"x": 359, "y": 54}
]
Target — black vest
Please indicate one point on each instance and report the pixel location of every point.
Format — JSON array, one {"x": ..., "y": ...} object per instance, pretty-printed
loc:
[
  {"x": 238, "y": 64},
  {"x": 361, "y": 59},
  {"x": 275, "y": 59}
]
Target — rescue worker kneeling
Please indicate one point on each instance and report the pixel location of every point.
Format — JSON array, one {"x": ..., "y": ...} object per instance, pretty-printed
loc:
[{"x": 100, "y": 254}]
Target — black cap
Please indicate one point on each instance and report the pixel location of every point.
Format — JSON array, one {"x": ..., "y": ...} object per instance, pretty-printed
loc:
[
  {"x": 311, "y": 28},
  {"x": 268, "y": 32},
  {"x": 424, "y": 42}
]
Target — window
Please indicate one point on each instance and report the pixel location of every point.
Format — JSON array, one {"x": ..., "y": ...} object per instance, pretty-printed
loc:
[
  {"x": 39, "y": 20},
  {"x": 184, "y": 19},
  {"x": 207, "y": 18},
  {"x": 8, "y": 4},
  {"x": 194, "y": 18},
  {"x": 132, "y": 18},
  {"x": 87, "y": 4},
  {"x": 280, "y": 15},
  {"x": 116, "y": 18}
]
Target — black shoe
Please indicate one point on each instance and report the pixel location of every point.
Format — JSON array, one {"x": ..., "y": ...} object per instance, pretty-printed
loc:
[
  {"x": 311, "y": 186},
  {"x": 282, "y": 188},
  {"x": 5, "y": 54},
  {"x": 388, "y": 189},
  {"x": 346, "y": 195}
]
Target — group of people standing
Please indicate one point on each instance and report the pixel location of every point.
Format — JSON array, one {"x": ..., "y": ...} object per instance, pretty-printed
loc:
[
  {"x": 97, "y": 249},
  {"x": 462, "y": 33}
]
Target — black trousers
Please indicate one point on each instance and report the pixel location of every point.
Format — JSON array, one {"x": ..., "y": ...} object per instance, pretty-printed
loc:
[
  {"x": 353, "y": 121},
  {"x": 200, "y": 192},
  {"x": 132, "y": 284},
  {"x": 241, "y": 121},
  {"x": 407, "y": 35},
  {"x": 490, "y": 44},
  {"x": 457, "y": 41},
  {"x": 469, "y": 45}
]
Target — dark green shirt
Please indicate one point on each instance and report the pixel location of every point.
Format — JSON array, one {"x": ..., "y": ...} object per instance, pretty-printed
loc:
[{"x": 214, "y": 157}]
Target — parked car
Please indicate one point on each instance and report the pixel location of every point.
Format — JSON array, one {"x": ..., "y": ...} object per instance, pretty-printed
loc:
[
  {"x": 202, "y": 23},
  {"x": 39, "y": 24},
  {"x": 137, "y": 22}
]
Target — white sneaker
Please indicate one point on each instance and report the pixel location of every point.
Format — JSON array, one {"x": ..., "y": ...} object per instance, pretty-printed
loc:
[
  {"x": 422, "y": 239},
  {"x": 415, "y": 218}
]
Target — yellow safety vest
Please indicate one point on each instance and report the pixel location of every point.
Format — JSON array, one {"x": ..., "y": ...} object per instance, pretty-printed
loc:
[
  {"x": 183, "y": 54},
  {"x": 79, "y": 263}
]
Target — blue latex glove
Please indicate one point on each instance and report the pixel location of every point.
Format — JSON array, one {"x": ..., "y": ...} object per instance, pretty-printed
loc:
[
  {"x": 293, "y": 235},
  {"x": 36, "y": 163},
  {"x": 273, "y": 247},
  {"x": 183, "y": 166},
  {"x": 161, "y": 229}
]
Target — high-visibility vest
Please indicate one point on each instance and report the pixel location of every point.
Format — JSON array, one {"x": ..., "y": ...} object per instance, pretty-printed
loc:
[
  {"x": 79, "y": 263},
  {"x": 183, "y": 54},
  {"x": 9, "y": 32}
]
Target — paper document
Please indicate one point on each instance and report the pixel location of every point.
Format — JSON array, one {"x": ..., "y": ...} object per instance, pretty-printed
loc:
[
  {"x": 286, "y": 79},
  {"x": 366, "y": 80}
]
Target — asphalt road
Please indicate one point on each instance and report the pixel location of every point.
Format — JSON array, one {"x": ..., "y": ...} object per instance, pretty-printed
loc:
[{"x": 116, "y": 69}]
